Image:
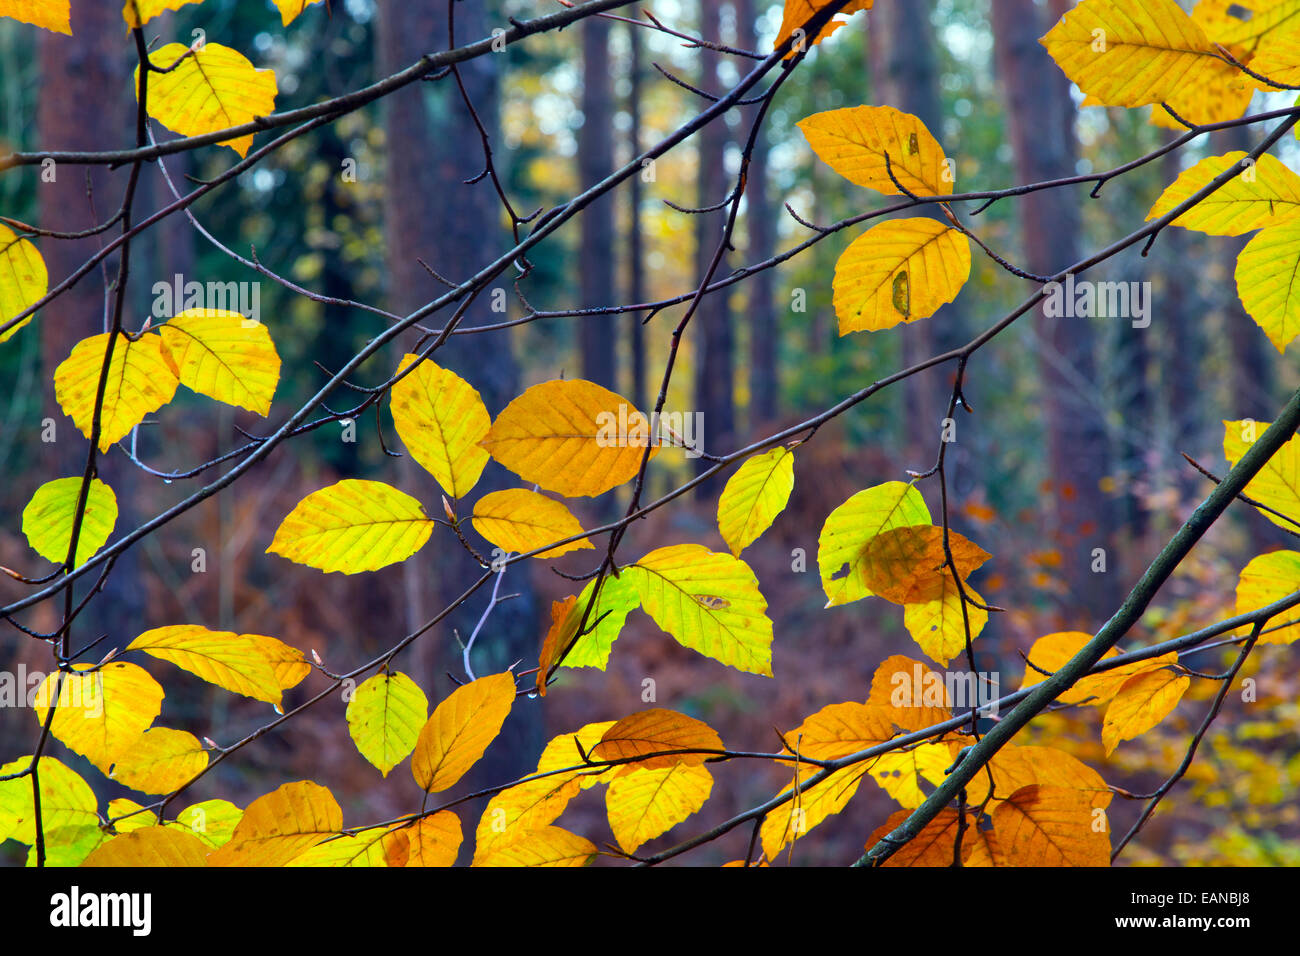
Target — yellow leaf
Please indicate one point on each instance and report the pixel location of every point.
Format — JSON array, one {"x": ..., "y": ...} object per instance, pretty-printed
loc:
[
  {"x": 849, "y": 530},
  {"x": 141, "y": 818},
  {"x": 441, "y": 419},
  {"x": 1277, "y": 484},
  {"x": 518, "y": 520},
  {"x": 708, "y": 602},
  {"x": 460, "y": 730},
  {"x": 101, "y": 714},
  {"x": 160, "y": 761},
  {"x": 938, "y": 625},
  {"x": 909, "y": 693},
  {"x": 1142, "y": 702},
  {"x": 365, "y": 849},
  {"x": 212, "y": 89},
  {"x": 855, "y": 141},
  {"x": 933, "y": 846},
  {"x": 1266, "y": 282},
  {"x": 1217, "y": 93},
  {"x": 137, "y": 13},
  {"x": 906, "y": 565},
  {"x": 51, "y": 14},
  {"x": 353, "y": 526},
  {"x": 1130, "y": 52},
  {"x": 793, "y": 819},
  {"x": 1049, "y": 826},
  {"x": 212, "y": 821},
  {"x": 654, "y": 731},
  {"x": 796, "y": 15},
  {"x": 1244, "y": 21},
  {"x": 48, "y": 519},
  {"x": 384, "y": 718},
  {"x": 899, "y": 271},
  {"x": 432, "y": 841},
  {"x": 838, "y": 730},
  {"x": 1051, "y": 652},
  {"x": 754, "y": 496},
  {"x": 288, "y": 663},
  {"x": 571, "y": 437},
  {"x": 537, "y": 803},
  {"x": 235, "y": 662},
  {"x": 139, "y": 382},
  {"x": 1278, "y": 58},
  {"x": 66, "y": 800},
  {"x": 546, "y": 846},
  {"x": 900, "y": 773},
  {"x": 1263, "y": 193},
  {"x": 224, "y": 356},
  {"x": 289, "y": 9},
  {"x": 649, "y": 803},
  {"x": 1016, "y": 767},
  {"x": 281, "y": 825},
  {"x": 617, "y": 599},
  {"x": 152, "y": 847},
  {"x": 23, "y": 278},
  {"x": 1268, "y": 578}
]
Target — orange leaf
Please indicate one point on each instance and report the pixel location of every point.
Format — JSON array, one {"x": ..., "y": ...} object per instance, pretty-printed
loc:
[
  {"x": 655, "y": 730},
  {"x": 460, "y": 730}
]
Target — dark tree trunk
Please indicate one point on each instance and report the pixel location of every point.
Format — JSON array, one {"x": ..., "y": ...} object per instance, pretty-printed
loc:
[
  {"x": 636, "y": 238},
  {"x": 595, "y": 162},
  {"x": 1040, "y": 115},
  {"x": 433, "y": 147},
  {"x": 711, "y": 332}
]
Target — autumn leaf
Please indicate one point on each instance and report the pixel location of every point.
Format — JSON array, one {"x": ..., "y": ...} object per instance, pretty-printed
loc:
[
  {"x": 754, "y": 496},
  {"x": 1053, "y": 651},
  {"x": 280, "y": 826},
  {"x": 151, "y": 847},
  {"x": 1130, "y": 52},
  {"x": 49, "y": 517},
  {"x": 899, "y": 271},
  {"x": 1142, "y": 702},
  {"x": 384, "y": 718},
  {"x": 545, "y": 846},
  {"x": 1049, "y": 826},
  {"x": 854, "y": 142},
  {"x": 212, "y": 821},
  {"x": 1014, "y": 767},
  {"x": 460, "y": 730},
  {"x": 1263, "y": 193},
  {"x": 654, "y": 731},
  {"x": 160, "y": 761},
  {"x": 935, "y": 845},
  {"x": 225, "y": 356},
  {"x": 351, "y": 526},
  {"x": 909, "y": 693},
  {"x": 1277, "y": 57},
  {"x": 235, "y": 662},
  {"x": 23, "y": 278},
  {"x": 213, "y": 88},
  {"x": 808, "y": 807},
  {"x": 289, "y": 9},
  {"x": 838, "y": 730},
  {"x": 1245, "y": 21},
  {"x": 100, "y": 713},
  {"x": 51, "y": 14},
  {"x": 1266, "y": 282},
  {"x": 575, "y": 438},
  {"x": 1277, "y": 483},
  {"x": 433, "y": 841},
  {"x": 1268, "y": 578},
  {"x": 617, "y": 599},
  {"x": 517, "y": 520},
  {"x": 441, "y": 419},
  {"x": 140, "y": 381},
  {"x": 796, "y": 15},
  {"x": 906, "y": 565},
  {"x": 708, "y": 602},
  {"x": 67, "y": 802},
  {"x": 648, "y": 803},
  {"x": 900, "y": 773},
  {"x": 850, "y": 529},
  {"x": 939, "y": 624}
]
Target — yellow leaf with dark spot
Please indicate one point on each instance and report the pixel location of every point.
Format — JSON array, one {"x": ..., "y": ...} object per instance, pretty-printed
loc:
[{"x": 854, "y": 142}]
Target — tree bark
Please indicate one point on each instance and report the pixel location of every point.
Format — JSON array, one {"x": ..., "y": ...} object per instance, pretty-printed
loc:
[{"x": 595, "y": 162}]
